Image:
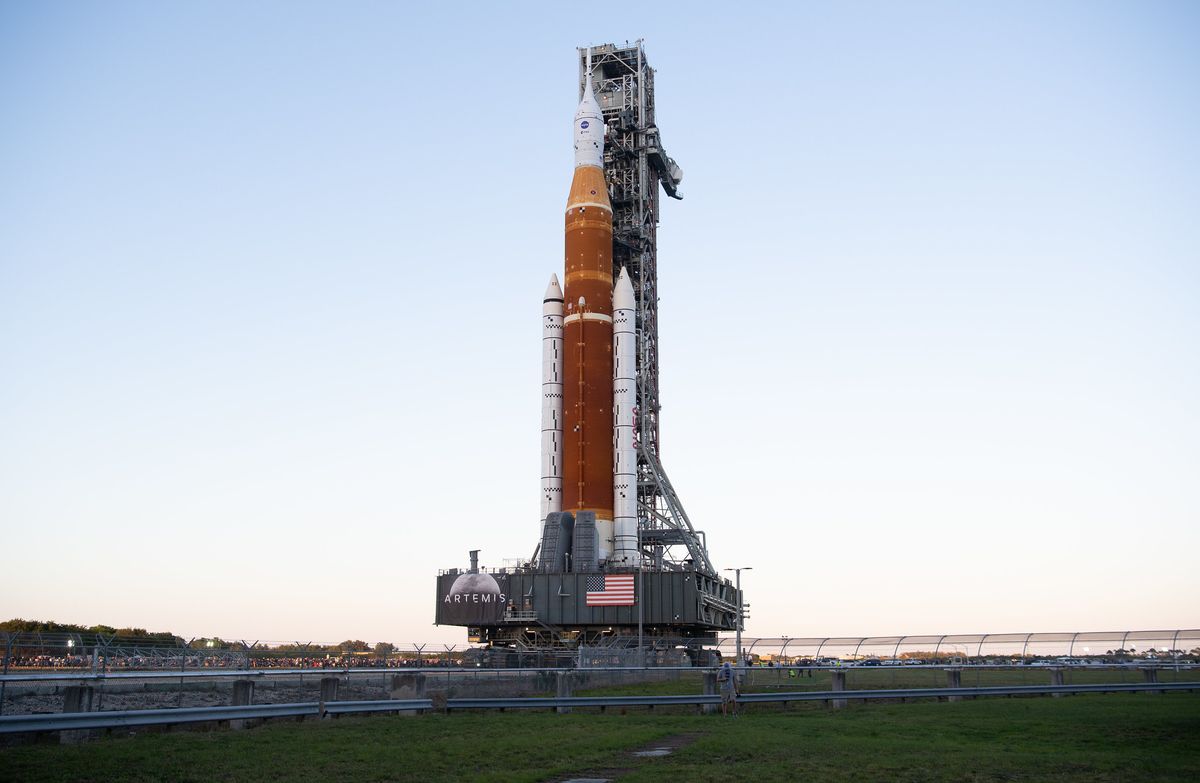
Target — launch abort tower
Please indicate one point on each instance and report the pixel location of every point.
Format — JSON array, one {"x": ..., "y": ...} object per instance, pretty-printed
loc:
[{"x": 610, "y": 571}]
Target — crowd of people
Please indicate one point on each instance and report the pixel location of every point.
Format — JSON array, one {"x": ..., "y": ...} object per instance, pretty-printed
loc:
[
  {"x": 358, "y": 661},
  {"x": 225, "y": 660},
  {"x": 48, "y": 662}
]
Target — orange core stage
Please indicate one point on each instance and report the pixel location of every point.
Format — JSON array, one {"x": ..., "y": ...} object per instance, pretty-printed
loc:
[{"x": 587, "y": 482}]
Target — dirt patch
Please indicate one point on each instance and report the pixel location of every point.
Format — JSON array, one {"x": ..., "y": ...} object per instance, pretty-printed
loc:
[
  {"x": 668, "y": 744},
  {"x": 671, "y": 744}
]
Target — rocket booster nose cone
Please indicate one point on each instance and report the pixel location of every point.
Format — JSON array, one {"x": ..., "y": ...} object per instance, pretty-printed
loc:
[
  {"x": 623, "y": 292},
  {"x": 553, "y": 291}
]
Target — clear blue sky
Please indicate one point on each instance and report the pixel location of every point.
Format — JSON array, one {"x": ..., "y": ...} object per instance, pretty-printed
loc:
[{"x": 271, "y": 278}]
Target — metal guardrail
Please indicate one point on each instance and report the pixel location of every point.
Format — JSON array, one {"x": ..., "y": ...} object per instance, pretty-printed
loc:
[
  {"x": 127, "y": 718},
  {"x": 64, "y": 721},
  {"x": 377, "y": 705},
  {"x": 67, "y": 721},
  {"x": 544, "y": 702},
  {"x": 845, "y": 695},
  {"x": 1001, "y": 690}
]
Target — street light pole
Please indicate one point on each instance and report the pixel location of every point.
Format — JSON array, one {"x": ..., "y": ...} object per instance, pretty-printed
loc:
[
  {"x": 741, "y": 606},
  {"x": 640, "y": 590}
]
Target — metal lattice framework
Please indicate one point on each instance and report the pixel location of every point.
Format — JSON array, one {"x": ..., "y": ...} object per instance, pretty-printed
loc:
[{"x": 635, "y": 164}]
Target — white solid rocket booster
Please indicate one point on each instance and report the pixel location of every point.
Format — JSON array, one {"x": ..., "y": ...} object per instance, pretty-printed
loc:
[
  {"x": 552, "y": 398},
  {"x": 625, "y": 543}
]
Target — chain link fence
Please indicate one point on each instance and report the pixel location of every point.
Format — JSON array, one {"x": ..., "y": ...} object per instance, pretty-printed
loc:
[{"x": 49, "y": 673}]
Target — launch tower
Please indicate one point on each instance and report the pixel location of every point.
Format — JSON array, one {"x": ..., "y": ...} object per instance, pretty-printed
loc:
[
  {"x": 635, "y": 165},
  {"x": 602, "y": 582}
]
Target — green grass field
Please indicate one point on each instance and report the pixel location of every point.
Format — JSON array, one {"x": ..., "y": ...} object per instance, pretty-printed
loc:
[{"x": 1123, "y": 737}]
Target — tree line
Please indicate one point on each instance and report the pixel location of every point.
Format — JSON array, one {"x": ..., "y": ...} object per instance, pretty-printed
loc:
[
  {"x": 347, "y": 647},
  {"x": 18, "y": 625}
]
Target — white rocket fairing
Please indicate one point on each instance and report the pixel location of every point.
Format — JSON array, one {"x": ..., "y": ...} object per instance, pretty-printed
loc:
[
  {"x": 625, "y": 543},
  {"x": 589, "y": 127},
  {"x": 552, "y": 398}
]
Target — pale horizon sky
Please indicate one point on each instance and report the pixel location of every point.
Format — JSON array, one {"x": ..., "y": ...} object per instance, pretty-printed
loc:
[{"x": 271, "y": 278}]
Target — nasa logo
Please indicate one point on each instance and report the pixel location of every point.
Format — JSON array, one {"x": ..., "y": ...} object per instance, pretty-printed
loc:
[{"x": 584, "y": 124}]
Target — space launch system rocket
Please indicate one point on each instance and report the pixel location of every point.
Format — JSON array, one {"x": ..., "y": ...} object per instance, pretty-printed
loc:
[
  {"x": 588, "y": 384},
  {"x": 604, "y": 573}
]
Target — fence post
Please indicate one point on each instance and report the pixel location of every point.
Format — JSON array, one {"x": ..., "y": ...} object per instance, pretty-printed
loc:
[
  {"x": 564, "y": 690},
  {"x": 710, "y": 689},
  {"x": 76, "y": 698},
  {"x": 243, "y": 692},
  {"x": 1057, "y": 678},
  {"x": 243, "y": 695},
  {"x": 182, "y": 666},
  {"x": 838, "y": 677},
  {"x": 329, "y": 691},
  {"x": 407, "y": 686},
  {"x": 954, "y": 680},
  {"x": 1150, "y": 676},
  {"x": 8, "y": 643}
]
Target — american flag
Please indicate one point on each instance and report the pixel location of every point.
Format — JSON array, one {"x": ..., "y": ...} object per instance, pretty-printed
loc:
[{"x": 609, "y": 589}]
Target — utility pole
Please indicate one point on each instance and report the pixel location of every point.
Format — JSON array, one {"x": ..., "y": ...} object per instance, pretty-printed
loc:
[
  {"x": 741, "y": 609},
  {"x": 640, "y": 581}
]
